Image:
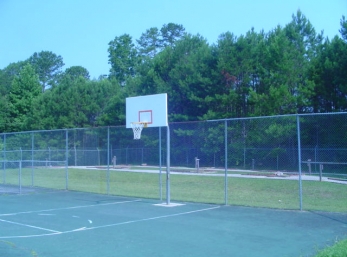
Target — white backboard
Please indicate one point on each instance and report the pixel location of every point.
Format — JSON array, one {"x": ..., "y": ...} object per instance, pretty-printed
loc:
[{"x": 150, "y": 108}]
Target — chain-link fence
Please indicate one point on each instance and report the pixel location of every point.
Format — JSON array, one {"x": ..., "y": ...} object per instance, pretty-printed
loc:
[{"x": 218, "y": 153}]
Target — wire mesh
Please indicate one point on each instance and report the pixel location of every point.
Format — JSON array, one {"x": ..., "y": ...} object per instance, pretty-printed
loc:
[{"x": 202, "y": 154}]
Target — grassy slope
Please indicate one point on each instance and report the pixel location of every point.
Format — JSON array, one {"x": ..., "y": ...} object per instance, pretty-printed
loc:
[{"x": 283, "y": 194}]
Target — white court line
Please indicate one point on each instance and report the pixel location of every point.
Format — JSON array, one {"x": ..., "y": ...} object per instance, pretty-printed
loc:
[
  {"x": 67, "y": 208},
  {"x": 26, "y": 225},
  {"x": 153, "y": 218},
  {"x": 113, "y": 225}
]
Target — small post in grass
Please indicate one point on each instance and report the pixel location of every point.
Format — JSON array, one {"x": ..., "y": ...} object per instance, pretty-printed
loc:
[
  {"x": 197, "y": 164},
  {"x": 309, "y": 166},
  {"x": 320, "y": 172}
]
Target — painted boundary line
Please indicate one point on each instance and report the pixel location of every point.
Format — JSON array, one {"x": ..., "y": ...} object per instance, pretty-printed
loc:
[
  {"x": 113, "y": 225},
  {"x": 30, "y": 226}
]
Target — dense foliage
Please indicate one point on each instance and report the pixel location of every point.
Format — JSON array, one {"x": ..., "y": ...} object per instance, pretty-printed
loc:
[{"x": 290, "y": 69}]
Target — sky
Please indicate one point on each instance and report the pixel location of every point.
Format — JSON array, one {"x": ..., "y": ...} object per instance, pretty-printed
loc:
[{"x": 80, "y": 30}]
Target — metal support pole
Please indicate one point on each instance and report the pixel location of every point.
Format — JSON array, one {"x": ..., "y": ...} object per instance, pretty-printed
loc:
[
  {"x": 168, "y": 167},
  {"x": 299, "y": 159},
  {"x": 160, "y": 168}
]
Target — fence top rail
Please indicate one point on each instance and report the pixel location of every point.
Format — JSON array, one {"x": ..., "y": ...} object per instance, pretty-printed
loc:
[
  {"x": 315, "y": 162},
  {"x": 279, "y": 116},
  {"x": 57, "y": 130},
  {"x": 227, "y": 119}
]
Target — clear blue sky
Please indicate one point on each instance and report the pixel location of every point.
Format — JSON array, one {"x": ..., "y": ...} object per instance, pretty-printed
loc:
[{"x": 80, "y": 30}]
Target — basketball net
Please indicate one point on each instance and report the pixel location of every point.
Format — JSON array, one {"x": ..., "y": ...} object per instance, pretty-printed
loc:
[{"x": 137, "y": 128}]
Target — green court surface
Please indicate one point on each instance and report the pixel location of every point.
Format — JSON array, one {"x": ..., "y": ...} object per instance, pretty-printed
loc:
[{"x": 66, "y": 223}]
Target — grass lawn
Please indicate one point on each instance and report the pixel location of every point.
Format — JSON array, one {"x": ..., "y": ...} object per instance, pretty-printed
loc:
[
  {"x": 269, "y": 193},
  {"x": 337, "y": 250}
]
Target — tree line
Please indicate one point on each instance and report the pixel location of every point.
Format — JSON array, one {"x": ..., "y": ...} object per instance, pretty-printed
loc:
[{"x": 288, "y": 70}]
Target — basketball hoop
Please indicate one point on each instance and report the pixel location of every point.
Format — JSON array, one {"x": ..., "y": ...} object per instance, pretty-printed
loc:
[{"x": 137, "y": 128}]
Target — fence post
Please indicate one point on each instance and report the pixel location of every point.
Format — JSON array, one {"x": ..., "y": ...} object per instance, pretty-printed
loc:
[
  {"x": 66, "y": 159},
  {"x": 20, "y": 177},
  {"x": 75, "y": 150},
  {"x": 226, "y": 162},
  {"x": 4, "y": 165},
  {"x": 108, "y": 160},
  {"x": 32, "y": 159},
  {"x": 168, "y": 166},
  {"x": 315, "y": 157},
  {"x": 126, "y": 155},
  {"x": 98, "y": 150},
  {"x": 299, "y": 158},
  {"x": 142, "y": 162}
]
